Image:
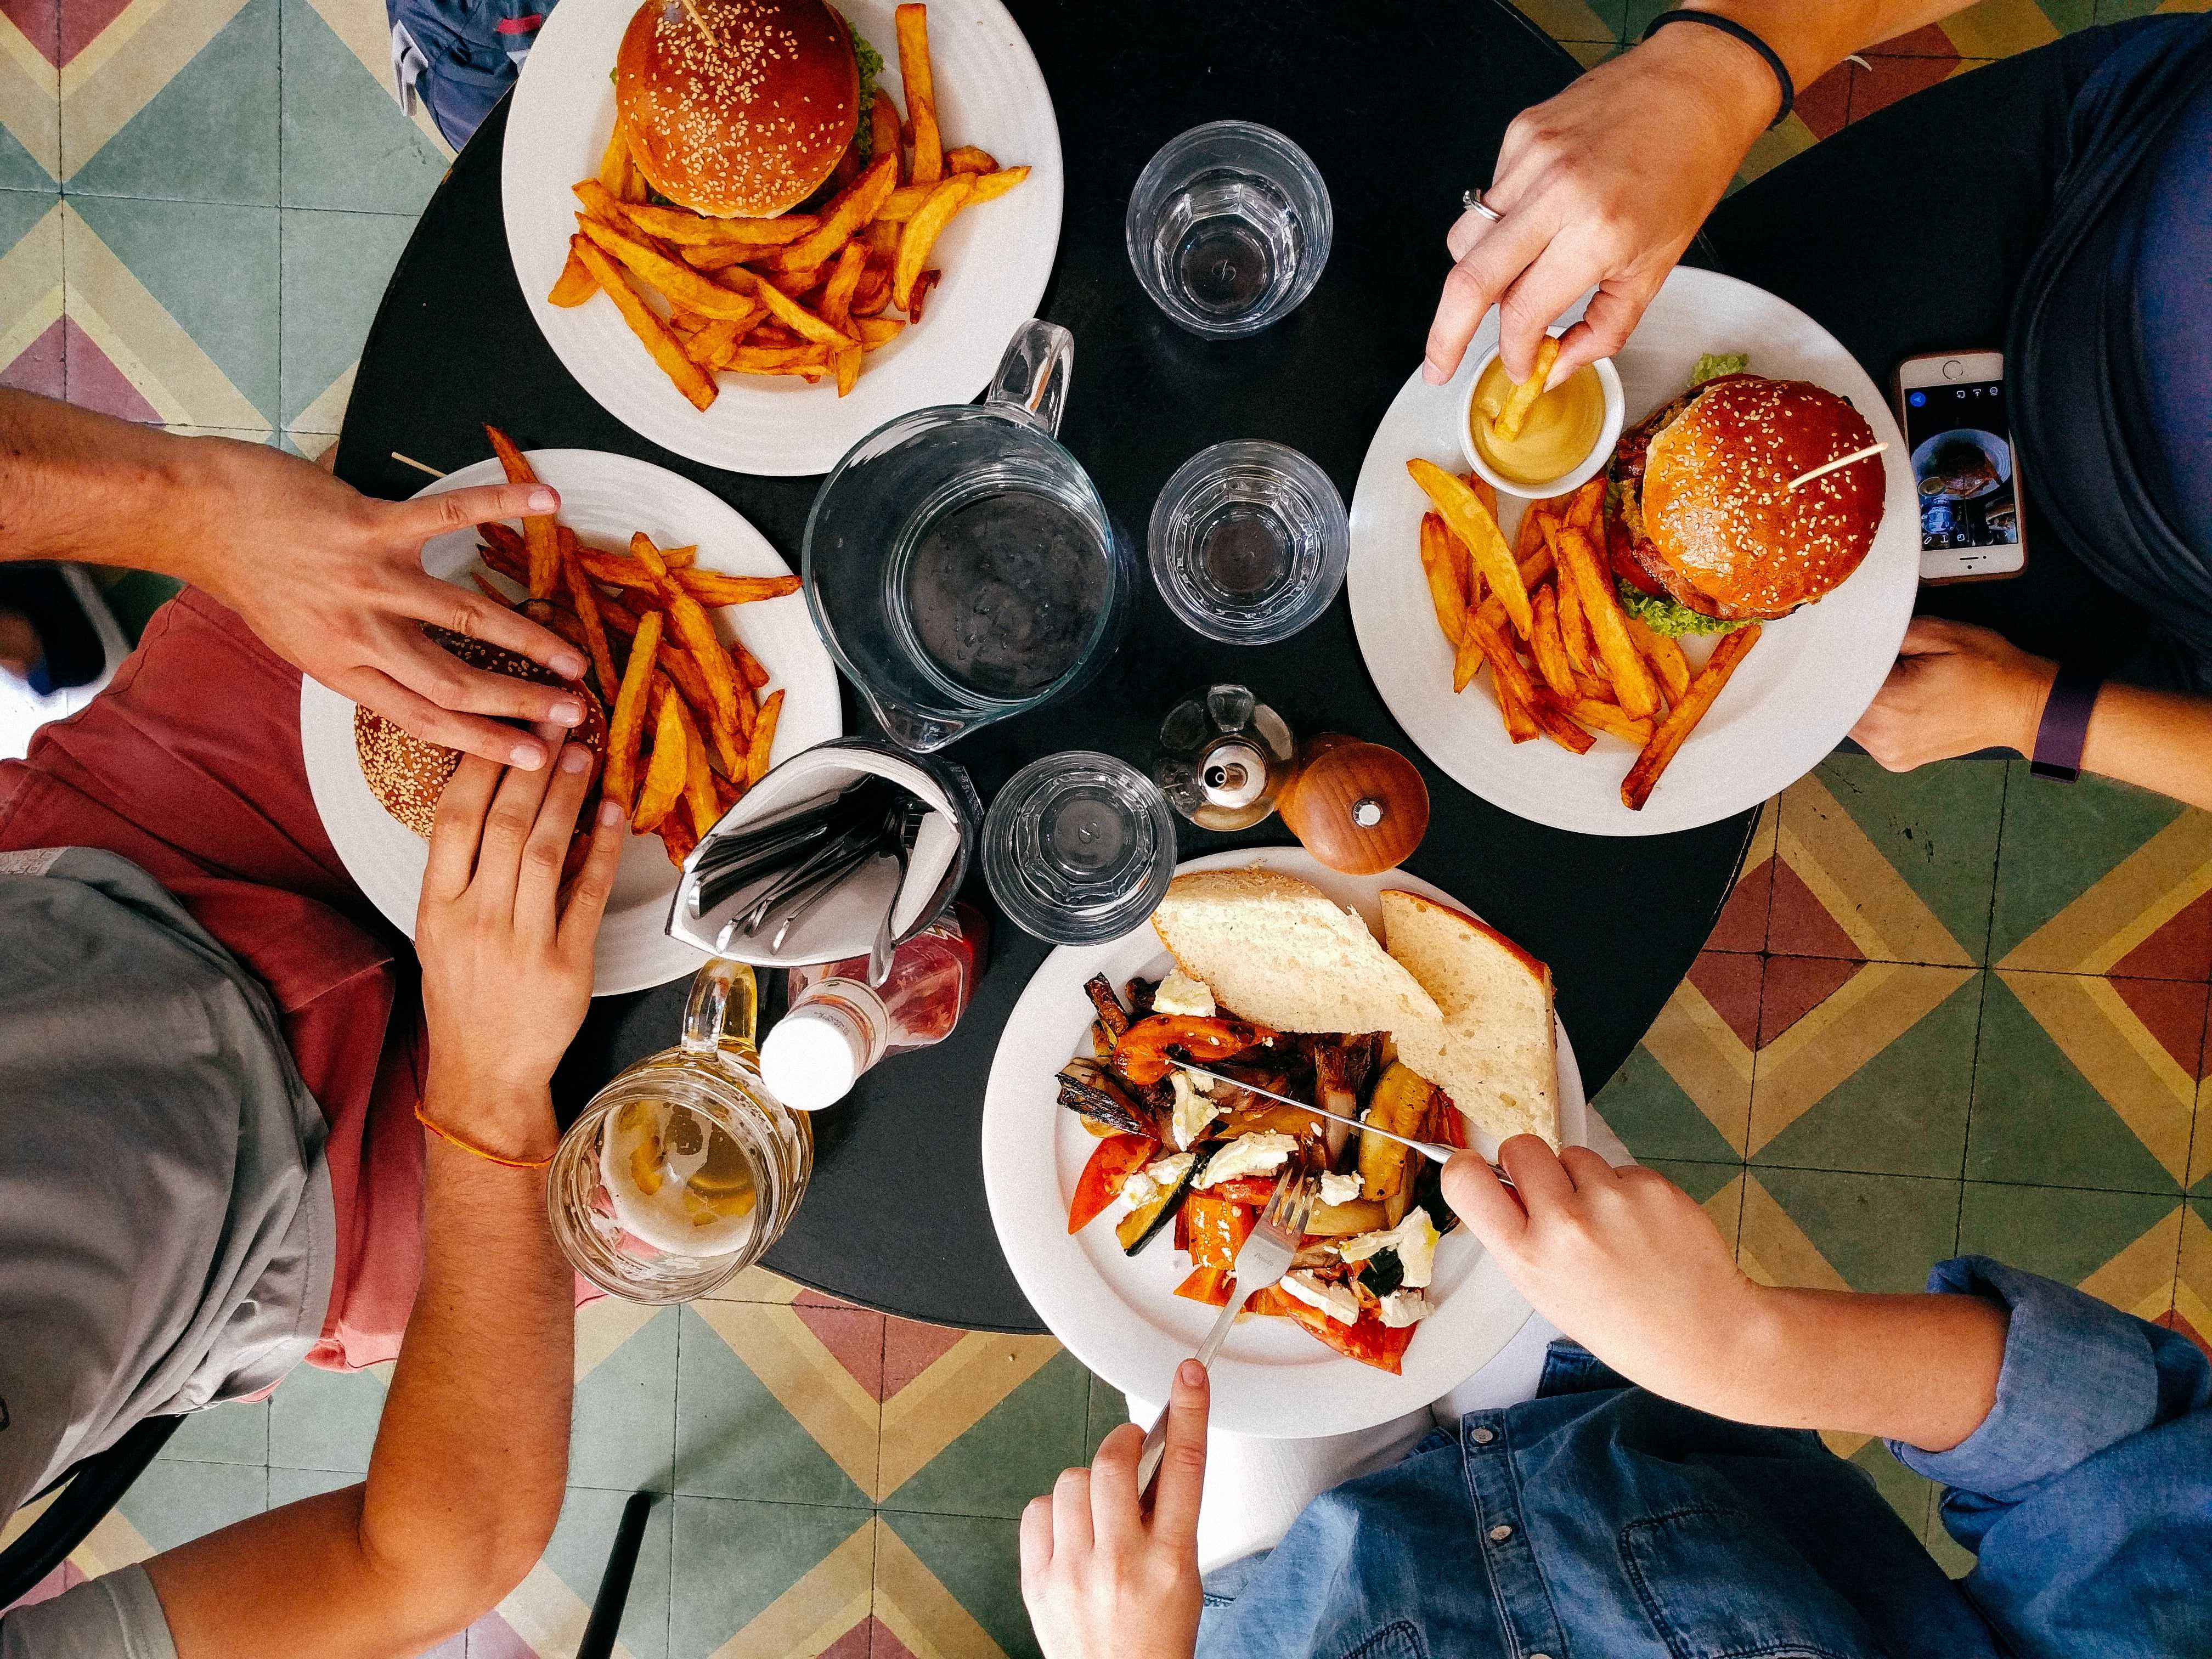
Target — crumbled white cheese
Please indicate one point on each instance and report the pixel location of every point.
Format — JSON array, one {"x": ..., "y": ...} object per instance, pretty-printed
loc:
[
  {"x": 1179, "y": 994},
  {"x": 1414, "y": 1239},
  {"x": 1254, "y": 1154},
  {"x": 1403, "y": 1307},
  {"x": 1147, "y": 1184},
  {"x": 1339, "y": 1189},
  {"x": 1193, "y": 1111},
  {"x": 1337, "y": 1301}
]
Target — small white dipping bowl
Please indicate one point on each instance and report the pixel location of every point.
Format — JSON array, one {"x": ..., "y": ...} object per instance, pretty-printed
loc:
[{"x": 1608, "y": 433}]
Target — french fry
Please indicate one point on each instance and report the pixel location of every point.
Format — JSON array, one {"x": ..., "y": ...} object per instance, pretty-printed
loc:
[
  {"x": 920, "y": 233},
  {"x": 1574, "y": 632},
  {"x": 669, "y": 767},
  {"x": 693, "y": 381},
  {"x": 1531, "y": 570},
  {"x": 1551, "y": 717},
  {"x": 692, "y": 685},
  {"x": 1466, "y": 517},
  {"x": 967, "y": 158},
  {"x": 847, "y": 362},
  {"x": 990, "y": 187},
  {"x": 679, "y": 558},
  {"x": 1605, "y": 717},
  {"x": 851, "y": 209},
  {"x": 922, "y": 285},
  {"x": 764, "y": 742},
  {"x": 1593, "y": 584},
  {"x": 586, "y": 600},
  {"x": 695, "y": 631},
  {"x": 688, "y": 230},
  {"x": 485, "y": 588},
  {"x": 884, "y": 131},
  {"x": 1546, "y": 647},
  {"x": 788, "y": 311},
  {"x": 877, "y": 330},
  {"x": 874, "y": 292},
  {"x": 920, "y": 87},
  {"x": 1682, "y": 719},
  {"x": 677, "y": 836},
  {"x": 1483, "y": 493},
  {"x": 1513, "y": 688},
  {"x": 1585, "y": 506},
  {"x": 614, "y": 161},
  {"x": 902, "y": 204},
  {"x": 1665, "y": 656},
  {"x": 626, "y": 726},
  {"x": 1522, "y": 397},
  {"x": 713, "y": 344},
  {"x": 1530, "y": 536},
  {"x": 1444, "y": 591},
  {"x": 749, "y": 666},
  {"x": 574, "y": 284},
  {"x": 698, "y": 777},
  {"x": 538, "y": 530},
  {"x": 708, "y": 587},
  {"x": 690, "y": 289},
  {"x": 1467, "y": 660}
]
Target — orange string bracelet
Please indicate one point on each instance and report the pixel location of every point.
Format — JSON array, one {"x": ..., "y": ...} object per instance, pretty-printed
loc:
[{"x": 474, "y": 1151}]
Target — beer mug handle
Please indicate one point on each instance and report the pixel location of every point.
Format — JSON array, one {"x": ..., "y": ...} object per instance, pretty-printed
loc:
[
  {"x": 1031, "y": 383},
  {"x": 723, "y": 1011}
]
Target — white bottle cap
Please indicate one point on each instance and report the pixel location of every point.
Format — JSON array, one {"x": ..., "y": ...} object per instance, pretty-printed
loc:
[{"x": 811, "y": 1058}]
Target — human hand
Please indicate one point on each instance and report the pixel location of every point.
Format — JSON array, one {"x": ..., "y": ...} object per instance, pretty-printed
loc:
[
  {"x": 1102, "y": 1579},
  {"x": 507, "y": 964},
  {"x": 1603, "y": 185},
  {"x": 1954, "y": 688},
  {"x": 1623, "y": 1260},
  {"x": 332, "y": 581}
]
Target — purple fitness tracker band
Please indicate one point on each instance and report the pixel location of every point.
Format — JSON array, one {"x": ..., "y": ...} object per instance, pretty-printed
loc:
[{"x": 2065, "y": 726}]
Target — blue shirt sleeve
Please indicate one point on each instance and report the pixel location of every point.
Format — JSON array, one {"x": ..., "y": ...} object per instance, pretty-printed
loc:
[{"x": 2087, "y": 1489}]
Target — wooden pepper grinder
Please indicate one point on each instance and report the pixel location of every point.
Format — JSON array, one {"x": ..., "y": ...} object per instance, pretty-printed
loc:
[{"x": 1357, "y": 807}]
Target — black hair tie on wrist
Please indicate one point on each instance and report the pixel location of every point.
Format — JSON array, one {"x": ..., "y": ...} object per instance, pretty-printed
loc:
[{"x": 1729, "y": 26}]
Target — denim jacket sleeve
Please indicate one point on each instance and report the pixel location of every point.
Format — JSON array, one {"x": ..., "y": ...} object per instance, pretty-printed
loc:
[{"x": 2087, "y": 1489}]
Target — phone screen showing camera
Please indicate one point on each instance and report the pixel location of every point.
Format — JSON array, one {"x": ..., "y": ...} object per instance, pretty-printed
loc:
[{"x": 1961, "y": 439}]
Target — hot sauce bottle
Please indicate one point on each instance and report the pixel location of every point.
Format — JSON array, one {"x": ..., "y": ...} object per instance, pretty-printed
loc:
[{"x": 836, "y": 1025}]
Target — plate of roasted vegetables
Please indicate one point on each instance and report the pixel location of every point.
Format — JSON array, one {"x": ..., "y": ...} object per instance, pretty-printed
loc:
[{"x": 1122, "y": 1184}]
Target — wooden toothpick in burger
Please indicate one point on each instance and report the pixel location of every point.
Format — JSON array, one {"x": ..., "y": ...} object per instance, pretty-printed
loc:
[{"x": 1836, "y": 465}]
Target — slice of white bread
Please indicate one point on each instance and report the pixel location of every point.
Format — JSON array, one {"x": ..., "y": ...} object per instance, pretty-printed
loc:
[
  {"x": 1497, "y": 1053},
  {"x": 1277, "y": 950}
]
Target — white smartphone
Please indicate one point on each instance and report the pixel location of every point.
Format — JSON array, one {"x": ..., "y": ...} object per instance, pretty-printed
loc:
[{"x": 1964, "y": 471}]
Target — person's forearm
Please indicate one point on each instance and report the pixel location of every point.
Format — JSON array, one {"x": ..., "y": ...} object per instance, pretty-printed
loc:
[
  {"x": 1919, "y": 1368},
  {"x": 1813, "y": 36},
  {"x": 2161, "y": 740},
  {"x": 92, "y": 489}
]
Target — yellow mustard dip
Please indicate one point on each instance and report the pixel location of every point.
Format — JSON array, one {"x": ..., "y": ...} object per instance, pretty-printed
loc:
[{"x": 1562, "y": 426}]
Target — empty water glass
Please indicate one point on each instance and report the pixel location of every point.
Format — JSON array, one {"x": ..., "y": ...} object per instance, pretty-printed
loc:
[
  {"x": 1228, "y": 228},
  {"x": 1079, "y": 847},
  {"x": 1249, "y": 542}
]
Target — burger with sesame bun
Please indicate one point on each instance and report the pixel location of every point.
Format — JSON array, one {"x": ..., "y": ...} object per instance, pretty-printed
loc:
[
  {"x": 407, "y": 774},
  {"x": 1706, "y": 533},
  {"x": 743, "y": 108}
]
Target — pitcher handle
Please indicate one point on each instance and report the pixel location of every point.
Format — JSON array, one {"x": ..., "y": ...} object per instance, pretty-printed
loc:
[
  {"x": 1032, "y": 379},
  {"x": 724, "y": 1009}
]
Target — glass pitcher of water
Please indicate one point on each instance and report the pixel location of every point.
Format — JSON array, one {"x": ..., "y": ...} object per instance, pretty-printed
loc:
[
  {"x": 683, "y": 1169},
  {"x": 960, "y": 563}
]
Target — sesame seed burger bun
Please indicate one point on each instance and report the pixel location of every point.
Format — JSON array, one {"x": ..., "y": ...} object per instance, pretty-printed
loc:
[
  {"x": 1730, "y": 538},
  {"x": 746, "y": 119},
  {"x": 408, "y": 774}
]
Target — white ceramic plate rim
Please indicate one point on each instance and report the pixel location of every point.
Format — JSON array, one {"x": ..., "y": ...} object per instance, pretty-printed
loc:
[
  {"x": 1794, "y": 696},
  {"x": 604, "y": 498},
  {"x": 1119, "y": 1315},
  {"x": 996, "y": 257}
]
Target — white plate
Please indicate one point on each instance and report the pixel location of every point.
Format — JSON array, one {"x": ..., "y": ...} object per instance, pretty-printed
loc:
[
  {"x": 604, "y": 498},
  {"x": 1119, "y": 1314},
  {"x": 1795, "y": 695},
  {"x": 996, "y": 257}
]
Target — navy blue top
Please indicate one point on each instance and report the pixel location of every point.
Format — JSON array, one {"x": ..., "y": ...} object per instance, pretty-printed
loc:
[
  {"x": 1601, "y": 1520},
  {"x": 2173, "y": 312}
]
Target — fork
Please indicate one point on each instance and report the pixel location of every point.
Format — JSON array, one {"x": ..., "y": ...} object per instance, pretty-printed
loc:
[{"x": 1262, "y": 1259}]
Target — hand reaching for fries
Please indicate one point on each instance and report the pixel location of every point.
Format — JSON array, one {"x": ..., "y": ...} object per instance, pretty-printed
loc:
[
  {"x": 1602, "y": 187},
  {"x": 332, "y": 581}
]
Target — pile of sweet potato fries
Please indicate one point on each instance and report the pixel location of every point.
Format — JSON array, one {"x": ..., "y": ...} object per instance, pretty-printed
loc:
[
  {"x": 1550, "y": 598},
  {"x": 800, "y": 294},
  {"x": 686, "y": 723}
]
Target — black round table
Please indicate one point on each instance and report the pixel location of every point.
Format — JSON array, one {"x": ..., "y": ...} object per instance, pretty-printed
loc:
[{"x": 1401, "y": 103}]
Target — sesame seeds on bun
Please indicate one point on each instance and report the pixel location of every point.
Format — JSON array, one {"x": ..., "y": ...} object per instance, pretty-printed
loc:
[
  {"x": 1722, "y": 528},
  {"x": 408, "y": 774},
  {"x": 747, "y": 116}
]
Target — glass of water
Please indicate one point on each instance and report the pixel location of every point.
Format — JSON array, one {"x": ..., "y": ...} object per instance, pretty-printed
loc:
[
  {"x": 1228, "y": 228},
  {"x": 1079, "y": 847},
  {"x": 1249, "y": 541}
]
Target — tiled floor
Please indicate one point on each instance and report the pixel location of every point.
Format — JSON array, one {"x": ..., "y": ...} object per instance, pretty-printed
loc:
[{"x": 1956, "y": 1010}]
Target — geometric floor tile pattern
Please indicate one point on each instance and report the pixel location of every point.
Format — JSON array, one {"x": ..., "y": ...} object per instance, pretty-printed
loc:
[{"x": 1955, "y": 1010}]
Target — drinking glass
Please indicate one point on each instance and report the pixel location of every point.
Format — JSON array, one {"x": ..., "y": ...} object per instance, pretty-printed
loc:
[
  {"x": 960, "y": 563},
  {"x": 1228, "y": 228},
  {"x": 1249, "y": 541},
  {"x": 1079, "y": 847},
  {"x": 683, "y": 1169}
]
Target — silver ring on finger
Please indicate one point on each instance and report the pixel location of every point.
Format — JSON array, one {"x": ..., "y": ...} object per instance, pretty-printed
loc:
[{"x": 1472, "y": 202}]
